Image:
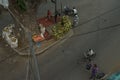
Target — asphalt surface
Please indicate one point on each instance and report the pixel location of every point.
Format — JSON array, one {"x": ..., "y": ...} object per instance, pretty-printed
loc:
[
  {"x": 99, "y": 29},
  {"x": 5, "y": 19}
]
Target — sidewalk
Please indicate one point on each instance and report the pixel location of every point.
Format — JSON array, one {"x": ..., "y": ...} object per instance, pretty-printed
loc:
[{"x": 44, "y": 45}]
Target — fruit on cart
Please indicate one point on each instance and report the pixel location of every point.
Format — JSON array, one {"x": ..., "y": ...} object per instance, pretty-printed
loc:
[{"x": 61, "y": 28}]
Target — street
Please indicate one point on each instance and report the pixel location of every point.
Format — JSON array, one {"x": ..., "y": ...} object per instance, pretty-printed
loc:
[{"x": 99, "y": 30}]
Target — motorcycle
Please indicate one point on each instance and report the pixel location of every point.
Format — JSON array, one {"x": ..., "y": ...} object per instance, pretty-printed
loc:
[
  {"x": 89, "y": 55},
  {"x": 75, "y": 20},
  {"x": 68, "y": 11}
]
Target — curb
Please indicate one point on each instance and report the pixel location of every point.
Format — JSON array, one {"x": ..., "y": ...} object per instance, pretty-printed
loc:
[{"x": 67, "y": 36}]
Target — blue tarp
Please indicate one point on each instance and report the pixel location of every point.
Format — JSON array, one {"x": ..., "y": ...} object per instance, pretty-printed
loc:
[{"x": 115, "y": 76}]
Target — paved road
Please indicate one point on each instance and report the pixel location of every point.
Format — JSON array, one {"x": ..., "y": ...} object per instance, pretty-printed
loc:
[
  {"x": 5, "y": 19},
  {"x": 99, "y": 29}
]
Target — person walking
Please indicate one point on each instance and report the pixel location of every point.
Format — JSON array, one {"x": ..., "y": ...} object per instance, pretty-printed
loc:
[
  {"x": 49, "y": 14},
  {"x": 94, "y": 72},
  {"x": 88, "y": 64}
]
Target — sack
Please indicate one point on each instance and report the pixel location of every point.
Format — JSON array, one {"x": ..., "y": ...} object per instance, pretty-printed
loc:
[
  {"x": 88, "y": 66},
  {"x": 100, "y": 75}
]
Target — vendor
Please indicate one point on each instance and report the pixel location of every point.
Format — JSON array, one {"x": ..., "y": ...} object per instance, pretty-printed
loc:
[{"x": 49, "y": 14}]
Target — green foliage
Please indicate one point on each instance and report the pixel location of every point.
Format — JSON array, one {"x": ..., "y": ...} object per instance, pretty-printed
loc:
[
  {"x": 21, "y": 4},
  {"x": 61, "y": 28}
]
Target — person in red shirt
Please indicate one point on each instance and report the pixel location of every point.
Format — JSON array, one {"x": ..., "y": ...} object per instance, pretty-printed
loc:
[{"x": 49, "y": 14}]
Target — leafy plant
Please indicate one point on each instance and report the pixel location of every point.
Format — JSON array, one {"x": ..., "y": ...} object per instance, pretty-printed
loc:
[
  {"x": 21, "y": 4},
  {"x": 61, "y": 28}
]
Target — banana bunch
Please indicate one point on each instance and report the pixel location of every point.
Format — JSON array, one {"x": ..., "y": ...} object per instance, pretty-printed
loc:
[{"x": 61, "y": 28}]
